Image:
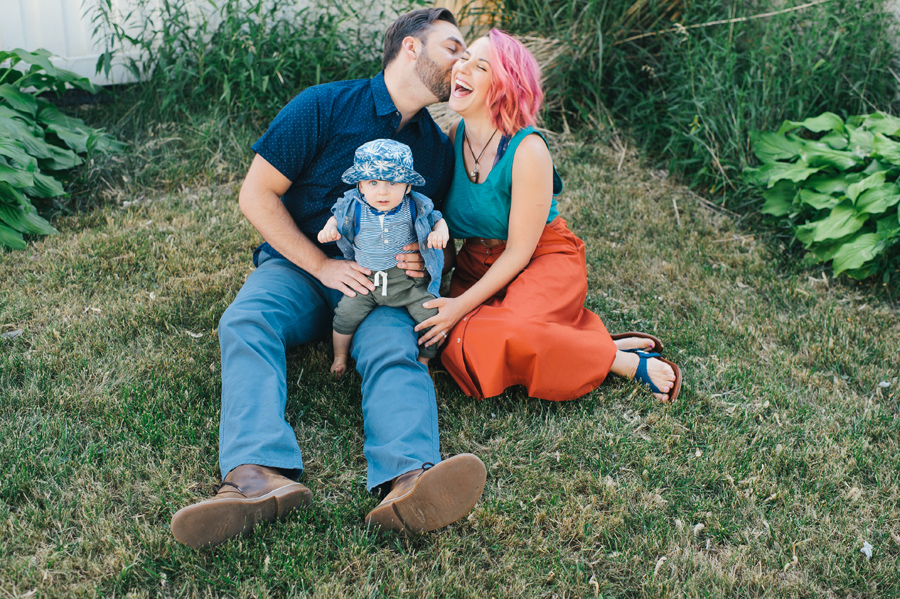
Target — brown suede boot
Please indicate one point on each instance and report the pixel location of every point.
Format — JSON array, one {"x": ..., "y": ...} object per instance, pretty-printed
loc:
[
  {"x": 249, "y": 494},
  {"x": 432, "y": 497}
]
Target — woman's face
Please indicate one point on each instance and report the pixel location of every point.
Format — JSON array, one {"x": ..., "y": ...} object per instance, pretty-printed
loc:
[{"x": 471, "y": 79}]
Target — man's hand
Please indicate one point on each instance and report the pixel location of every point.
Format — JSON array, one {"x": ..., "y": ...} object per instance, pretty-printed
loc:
[
  {"x": 346, "y": 276},
  {"x": 411, "y": 262}
]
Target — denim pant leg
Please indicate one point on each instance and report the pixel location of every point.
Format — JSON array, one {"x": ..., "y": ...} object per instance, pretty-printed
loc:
[
  {"x": 399, "y": 404},
  {"x": 279, "y": 306}
]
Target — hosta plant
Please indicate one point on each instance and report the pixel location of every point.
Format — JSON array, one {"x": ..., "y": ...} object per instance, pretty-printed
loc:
[
  {"x": 38, "y": 143},
  {"x": 836, "y": 183}
]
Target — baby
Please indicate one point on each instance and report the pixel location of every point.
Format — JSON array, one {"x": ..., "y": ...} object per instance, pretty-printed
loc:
[{"x": 371, "y": 224}]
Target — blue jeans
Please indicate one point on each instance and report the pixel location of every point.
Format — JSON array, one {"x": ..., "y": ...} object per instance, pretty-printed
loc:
[{"x": 281, "y": 306}]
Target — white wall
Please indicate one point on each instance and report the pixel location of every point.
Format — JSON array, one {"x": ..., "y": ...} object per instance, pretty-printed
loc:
[{"x": 63, "y": 28}]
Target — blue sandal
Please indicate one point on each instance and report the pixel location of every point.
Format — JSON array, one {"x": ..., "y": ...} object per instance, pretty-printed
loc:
[{"x": 643, "y": 377}]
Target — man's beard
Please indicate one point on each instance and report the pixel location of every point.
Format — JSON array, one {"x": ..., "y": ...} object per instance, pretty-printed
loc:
[{"x": 432, "y": 76}]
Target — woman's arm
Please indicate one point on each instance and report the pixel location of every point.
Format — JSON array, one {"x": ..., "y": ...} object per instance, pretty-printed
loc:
[{"x": 532, "y": 196}]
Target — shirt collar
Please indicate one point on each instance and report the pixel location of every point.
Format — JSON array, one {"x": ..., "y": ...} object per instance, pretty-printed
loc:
[{"x": 384, "y": 105}]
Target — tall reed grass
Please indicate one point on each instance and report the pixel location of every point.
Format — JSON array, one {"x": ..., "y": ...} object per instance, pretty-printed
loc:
[
  {"x": 689, "y": 92},
  {"x": 241, "y": 57}
]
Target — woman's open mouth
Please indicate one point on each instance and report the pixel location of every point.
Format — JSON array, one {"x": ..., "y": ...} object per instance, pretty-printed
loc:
[{"x": 461, "y": 88}]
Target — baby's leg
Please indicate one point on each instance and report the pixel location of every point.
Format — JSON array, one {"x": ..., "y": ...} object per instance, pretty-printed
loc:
[
  {"x": 420, "y": 314},
  {"x": 349, "y": 312},
  {"x": 341, "y": 352}
]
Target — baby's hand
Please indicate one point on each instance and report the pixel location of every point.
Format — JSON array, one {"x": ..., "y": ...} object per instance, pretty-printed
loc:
[
  {"x": 437, "y": 240},
  {"x": 328, "y": 234}
]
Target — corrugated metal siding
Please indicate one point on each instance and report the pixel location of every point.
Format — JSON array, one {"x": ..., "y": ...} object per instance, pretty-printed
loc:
[{"x": 63, "y": 28}]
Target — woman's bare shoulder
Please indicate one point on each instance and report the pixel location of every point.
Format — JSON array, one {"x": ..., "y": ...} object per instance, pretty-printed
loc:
[{"x": 532, "y": 151}]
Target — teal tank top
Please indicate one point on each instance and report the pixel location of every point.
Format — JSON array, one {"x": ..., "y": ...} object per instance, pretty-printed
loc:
[{"x": 482, "y": 209}]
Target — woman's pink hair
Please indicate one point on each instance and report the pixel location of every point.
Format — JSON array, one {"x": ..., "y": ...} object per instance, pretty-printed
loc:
[{"x": 516, "y": 94}]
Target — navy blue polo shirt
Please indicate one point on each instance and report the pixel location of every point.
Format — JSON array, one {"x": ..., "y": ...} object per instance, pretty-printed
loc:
[{"x": 313, "y": 139}]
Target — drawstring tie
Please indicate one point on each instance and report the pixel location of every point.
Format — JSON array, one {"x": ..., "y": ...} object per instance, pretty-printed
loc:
[{"x": 384, "y": 278}]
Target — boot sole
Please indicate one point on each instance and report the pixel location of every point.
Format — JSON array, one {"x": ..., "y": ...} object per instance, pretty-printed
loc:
[
  {"x": 440, "y": 496},
  {"x": 214, "y": 521}
]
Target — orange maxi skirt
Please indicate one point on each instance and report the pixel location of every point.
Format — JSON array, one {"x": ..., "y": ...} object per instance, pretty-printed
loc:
[{"x": 536, "y": 331}]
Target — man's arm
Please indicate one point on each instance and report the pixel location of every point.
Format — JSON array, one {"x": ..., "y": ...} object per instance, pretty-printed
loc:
[{"x": 260, "y": 201}]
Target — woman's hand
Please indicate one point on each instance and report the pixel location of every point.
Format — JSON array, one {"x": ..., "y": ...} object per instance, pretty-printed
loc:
[{"x": 450, "y": 311}]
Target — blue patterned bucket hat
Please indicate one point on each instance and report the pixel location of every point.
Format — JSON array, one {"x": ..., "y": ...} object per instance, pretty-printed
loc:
[{"x": 384, "y": 160}]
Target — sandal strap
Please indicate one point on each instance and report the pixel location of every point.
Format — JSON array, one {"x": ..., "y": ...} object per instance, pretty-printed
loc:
[{"x": 641, "y": 374}]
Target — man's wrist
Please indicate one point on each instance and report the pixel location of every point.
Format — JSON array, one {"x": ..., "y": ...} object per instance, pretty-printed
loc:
[{"x": 317, "y": 265}]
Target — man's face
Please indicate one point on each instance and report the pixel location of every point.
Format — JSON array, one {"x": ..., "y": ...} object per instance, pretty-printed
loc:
[{"x": 442, "y": 47}]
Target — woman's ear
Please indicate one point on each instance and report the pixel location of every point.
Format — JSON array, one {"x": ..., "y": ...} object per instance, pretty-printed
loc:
[{"x": 408, "y": 189}]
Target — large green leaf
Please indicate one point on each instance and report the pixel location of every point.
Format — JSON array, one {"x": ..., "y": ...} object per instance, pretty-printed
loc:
[
  {"x": 879, "y": 122},
  {"x": 18, "y": 100},
  {"x": 11, "y": 238},
  {"x": 774, "y": 172},
  {"x": 874, "y": 180},
  {"x": 45, "y": 186},
  {"x": 843, "y": 221},
  {"x": 816, "y": 153},
  {"x": 29, "y": 136},
  {"x": 13, "y": 149},
  {"x": 779, "y": 199},
  {"x": 886, "y": 148},
  {"x": 43, "y": 75},
  {"x": 836, "y": 140},
  {"x": 878, "y": 199},
  {"x": 824, "y": 122},
  {"x": 72, "y": 131},
  {"x": 770, "y": 147},
  {"x": 856, "y": 252},
  {"x": 860, "y": 140},
  {"x": 25, "y": 220},
  {"x": 17, "y": 177},
  {"x": 12, "y": 196},
  {"x": 831, "y": 183},
  {"x": 60, "y": 159},
  {"x": 875, "y": 166},
  {"x": 888, "y": 226},
  {"x": 819, "y": 201}
]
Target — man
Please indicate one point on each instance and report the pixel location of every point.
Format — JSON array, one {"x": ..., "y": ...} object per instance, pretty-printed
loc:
[{"x": 289, "y": 299}]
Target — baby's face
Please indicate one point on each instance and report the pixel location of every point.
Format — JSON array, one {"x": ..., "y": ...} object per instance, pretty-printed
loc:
[{"x": 383, "y": 195}]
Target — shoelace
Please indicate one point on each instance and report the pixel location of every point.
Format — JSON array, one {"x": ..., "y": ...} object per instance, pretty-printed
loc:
[{"x": 218, "y": 486}]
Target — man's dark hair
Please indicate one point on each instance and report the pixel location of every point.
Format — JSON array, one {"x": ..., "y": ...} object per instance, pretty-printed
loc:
[{"x": 414, "y": 23}]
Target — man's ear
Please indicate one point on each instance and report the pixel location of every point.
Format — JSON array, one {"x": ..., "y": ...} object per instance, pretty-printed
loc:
[{"x": 411, "y": 46}]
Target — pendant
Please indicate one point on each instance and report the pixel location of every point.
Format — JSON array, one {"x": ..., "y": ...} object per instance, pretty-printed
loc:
[{"x": 474, "y": 174}]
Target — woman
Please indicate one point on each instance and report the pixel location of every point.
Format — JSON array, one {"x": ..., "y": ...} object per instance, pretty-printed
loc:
[{"x": 516, "y": 312}]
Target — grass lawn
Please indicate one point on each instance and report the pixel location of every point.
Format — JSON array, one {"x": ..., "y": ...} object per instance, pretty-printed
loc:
[{"x": 779, "y": 461}]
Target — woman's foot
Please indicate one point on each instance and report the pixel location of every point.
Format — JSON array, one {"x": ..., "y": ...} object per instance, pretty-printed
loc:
[
  {"x": 635, "y": 340},
  {"x": 641, "y": 343},
  {"x": 658, "y": 373}
]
